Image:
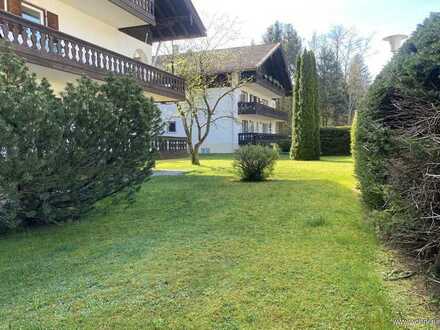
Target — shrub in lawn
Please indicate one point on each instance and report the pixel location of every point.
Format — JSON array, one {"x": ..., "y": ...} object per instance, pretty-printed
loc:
[
  {"x": 58, "y": 156},
  {"x": 335, "y": 141},
  {"x": 255, "y": 162},
  {"x": 397, "y": 150}
]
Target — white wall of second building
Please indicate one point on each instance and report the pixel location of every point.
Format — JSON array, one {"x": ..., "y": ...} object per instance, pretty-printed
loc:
[{"x": 223, "y": 136}]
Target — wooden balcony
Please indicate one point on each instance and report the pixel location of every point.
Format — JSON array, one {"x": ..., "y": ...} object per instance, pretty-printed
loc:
[
  {"x": 46, "y": 47},
  {"x": 169, "y": 147},
  {"x": 254, "y": 108},
  {"x": 271, "y": 84},
  {"x": 266, "y": 81},
  {"x": 143, "y": 9},
  {"x": 260, "y": 138}
]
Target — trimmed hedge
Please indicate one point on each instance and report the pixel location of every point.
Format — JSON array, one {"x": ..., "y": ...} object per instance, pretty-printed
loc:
[
  {"x": 397, "y": 149},
  {"x": 336, "y": 141}
]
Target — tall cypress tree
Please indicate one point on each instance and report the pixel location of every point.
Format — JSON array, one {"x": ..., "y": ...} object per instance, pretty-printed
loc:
[
  {"x": 317, "y": 115},
  {"x": 305, "y": 132}
]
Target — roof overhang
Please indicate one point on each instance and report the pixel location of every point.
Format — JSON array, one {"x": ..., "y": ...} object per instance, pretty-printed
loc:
[
  {"x": 175, "y": 20},
  {"x": 276, "y": 62}
]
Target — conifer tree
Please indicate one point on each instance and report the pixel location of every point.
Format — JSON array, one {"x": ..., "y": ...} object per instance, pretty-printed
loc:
[{"x": 305, "y": 132}]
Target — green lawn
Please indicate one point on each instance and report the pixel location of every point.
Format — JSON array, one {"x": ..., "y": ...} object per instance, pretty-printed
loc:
[{"x": 204, "y": 251}]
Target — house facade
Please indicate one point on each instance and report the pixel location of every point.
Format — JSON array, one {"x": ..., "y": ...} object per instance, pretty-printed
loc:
[
  {"x": 62, "y": 40},
  {"x": 250, "y": 114}
]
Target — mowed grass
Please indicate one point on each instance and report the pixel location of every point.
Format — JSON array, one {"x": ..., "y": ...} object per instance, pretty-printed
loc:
[{"x": 205, "y": 251}]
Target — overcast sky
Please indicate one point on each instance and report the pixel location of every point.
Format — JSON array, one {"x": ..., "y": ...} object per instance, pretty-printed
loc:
[{"x": 371, "y": 17}]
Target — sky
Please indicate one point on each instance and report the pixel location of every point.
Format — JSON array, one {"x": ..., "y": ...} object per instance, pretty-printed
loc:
[{"x": 376, "y": 18}]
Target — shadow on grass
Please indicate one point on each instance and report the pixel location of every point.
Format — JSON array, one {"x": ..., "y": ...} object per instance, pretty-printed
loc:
[{"x": 177, "y": 224}]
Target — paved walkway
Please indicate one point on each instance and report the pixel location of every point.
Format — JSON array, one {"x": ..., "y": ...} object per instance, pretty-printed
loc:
[{"x": 168, "y": 173}]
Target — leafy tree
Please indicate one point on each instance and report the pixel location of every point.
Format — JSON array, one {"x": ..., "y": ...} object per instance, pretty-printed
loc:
[
  {"x": 198, "y": 64},
  {"x": 339, "y": 52},
  {"x": 305, "y": 137},
  {"x": 289, "y": 39},
  {"x": 358, "y": 81},
  {"x": 333, "y": 100}
]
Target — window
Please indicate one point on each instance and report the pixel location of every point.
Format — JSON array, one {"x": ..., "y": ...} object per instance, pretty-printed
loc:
[
  {"x": 32, "y": 13},
  {"x": 245, "y": 126},
  {"x": 171, "y": 127},
  {"x": 251, "y": 127},
  {"x": 244, "y": 97},
  {"x": 265, "y": 102}
]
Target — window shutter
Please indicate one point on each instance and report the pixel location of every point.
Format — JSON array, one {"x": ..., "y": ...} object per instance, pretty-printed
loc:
[
  {"x": 2, "y": 4},
  {"x": 14, "y": 7},
  {"x": 52, "y": 21}
]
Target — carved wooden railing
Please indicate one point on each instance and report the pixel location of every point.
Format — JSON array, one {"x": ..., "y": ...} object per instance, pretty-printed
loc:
[
  {"x": 141, "y": 8},
  {"x": 254, "y": 108},
  {"x": 168, "y": 146},
  {"x": 44, "y": 46},
  {"x": 259, "y": 138},
  {"x": 270, "y": 83},
  {"x": 266, "y": 81}
]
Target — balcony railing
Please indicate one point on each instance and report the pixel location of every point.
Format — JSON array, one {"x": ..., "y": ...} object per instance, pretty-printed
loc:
[
  {"x": 254, "y": 108},
  {"x": 143, "y": 9},
  {"x": 53, "y": 49},
  {"x": 169, "y": 147},
  {"x": 260, "y": 138},
  {"x": 270, "y": 83},
  {"x": 265, "y": 81}
]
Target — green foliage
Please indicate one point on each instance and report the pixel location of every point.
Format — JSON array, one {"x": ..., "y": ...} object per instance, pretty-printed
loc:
[
  {"x": 285, "y": 145},
  {"x": 332, "y": 88},
  {"x": 396, "y": 143},
  {"x": 289, "y": 39},
  {"x": 255, "y": 162},
  {"x": 306, "y": 118},
  {"x": 335, "y": 141},
  {"x": 353, "y": 136},
  {"x": 61, "y": 155}
]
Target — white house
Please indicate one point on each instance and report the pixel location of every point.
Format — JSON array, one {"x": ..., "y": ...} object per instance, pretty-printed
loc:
[
  {"x": 62, "y": 40},
  {"x": 251, "y": 113}
]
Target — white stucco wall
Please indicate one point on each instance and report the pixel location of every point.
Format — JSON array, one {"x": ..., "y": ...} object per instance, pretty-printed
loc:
[{"x": 223, "y": 136}]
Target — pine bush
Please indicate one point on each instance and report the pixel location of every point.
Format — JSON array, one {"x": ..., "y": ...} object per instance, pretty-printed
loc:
[
  {"x": 255, "y": 162},
  {"x": 58, "y": 156}
]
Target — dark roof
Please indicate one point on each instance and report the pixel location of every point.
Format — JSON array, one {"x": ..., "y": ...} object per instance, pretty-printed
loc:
[
  {"x": 247, "y": 58},
  {"x": 174, "y": 20},
  {"x": 177, "y": 19}
]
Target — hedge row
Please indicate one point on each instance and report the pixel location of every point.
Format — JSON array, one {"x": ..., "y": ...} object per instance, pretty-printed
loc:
[
  {"x": 335, "y": 141},
  {"x": 397, "y": 149}
]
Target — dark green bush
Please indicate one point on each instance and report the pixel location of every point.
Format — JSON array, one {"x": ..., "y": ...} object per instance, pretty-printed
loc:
[
  {"x": 285, "y": 145},
  {"x": 336, "y": 141},
  {"x": 397, "y": 149},
  {"x": 58, "y": 156},
  {"x": 255, "y": 162}
]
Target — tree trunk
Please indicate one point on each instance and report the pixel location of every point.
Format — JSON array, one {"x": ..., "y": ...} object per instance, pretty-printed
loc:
[{"x": 195, "y": 158}]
